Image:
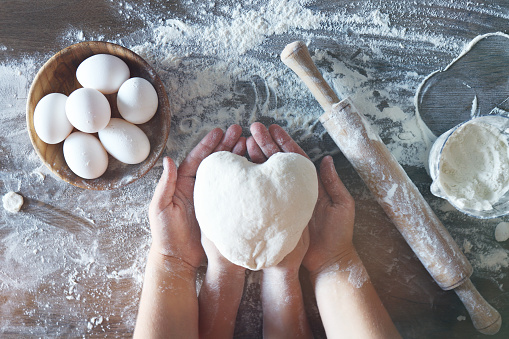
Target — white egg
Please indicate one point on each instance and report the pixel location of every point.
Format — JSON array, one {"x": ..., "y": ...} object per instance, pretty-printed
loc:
[
  {"x": 88, "y": 110},
  {"x": 103, "y": 72},
  {"x": 125, "y": 141},
  {"x": 50, "y": 121},
  {"x": 137, "y": 100},
  {"x": 85, "y": 155}
]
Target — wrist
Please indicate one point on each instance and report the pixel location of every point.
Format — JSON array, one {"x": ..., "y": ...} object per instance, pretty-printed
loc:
[
  {"x": 225, "y": 267},
  {"x": 166, "y": 264},
  {"x": 224, "y": 280},
  {"x": 281, "y": 276},
  {"x": 280, "y": 287},
  {"x": 348, "y": 269},
  {"x": 277, "y": 273},
  {"x": 340, "y": 261}
]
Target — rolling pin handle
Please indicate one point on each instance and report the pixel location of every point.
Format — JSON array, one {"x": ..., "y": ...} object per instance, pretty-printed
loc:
[
  {"x": 296, "y": 56},
  {"x": 485, "y": 318}
]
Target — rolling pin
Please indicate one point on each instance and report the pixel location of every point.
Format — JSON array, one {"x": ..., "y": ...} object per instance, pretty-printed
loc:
[{"x": 394, "y": 191}]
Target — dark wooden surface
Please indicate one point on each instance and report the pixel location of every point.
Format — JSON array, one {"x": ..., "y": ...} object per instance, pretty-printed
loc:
[{"x": 98, "y": 295}]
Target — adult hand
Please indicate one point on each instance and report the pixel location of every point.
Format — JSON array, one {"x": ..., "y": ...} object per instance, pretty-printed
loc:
[
  {"x": 175, "y": 231},
  {"x": 346, "y": 309},
  {"x": 331, "y": 226}
]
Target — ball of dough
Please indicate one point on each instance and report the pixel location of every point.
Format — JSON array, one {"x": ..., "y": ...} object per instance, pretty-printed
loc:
[
  {"x": 12, "y": 202},
  {"x": 255, "y": 213},
  {"x": 502, "y": 231}
]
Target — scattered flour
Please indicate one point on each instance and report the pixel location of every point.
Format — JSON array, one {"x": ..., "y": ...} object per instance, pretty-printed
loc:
[
  {"x": 357, "y": 275},
  {"x": 467, "y": 246},
  {"x": 219, "y": 62},
  {"x": 494, "y": 259},
  {"x": 95, "y": 321}
]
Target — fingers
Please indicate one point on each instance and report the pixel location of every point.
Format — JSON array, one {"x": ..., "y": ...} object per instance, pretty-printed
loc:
[
  {"x": 214, "y": 141},
  {"x": 230, "y": 139},
  {"x": 254, "y": 151},
  {"x": 284, "y": 141},
  {"x": 163, "y": 194},
  {"x": 260, "y": 146},
  {"x": 332, "y": 184},
  {"x": 264, "y": 140},
  {"x": 287, "y": 144},
  {"x": 240, "y": 147},
  {"x": 189, "y": 166}
]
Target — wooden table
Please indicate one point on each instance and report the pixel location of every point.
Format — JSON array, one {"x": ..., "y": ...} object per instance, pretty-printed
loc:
[{"x": 71, "y": 261}]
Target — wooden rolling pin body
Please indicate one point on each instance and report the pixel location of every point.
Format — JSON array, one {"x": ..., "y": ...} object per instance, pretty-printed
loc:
[
  {"x": 397, "y": 194},
  {"x": 394, "y": 191}
]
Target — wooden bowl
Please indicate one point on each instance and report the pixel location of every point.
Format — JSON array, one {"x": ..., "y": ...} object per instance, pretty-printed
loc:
[{"x": 58, "y": 75}]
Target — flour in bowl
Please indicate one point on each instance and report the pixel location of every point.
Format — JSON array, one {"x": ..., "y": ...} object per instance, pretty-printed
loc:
[{"x": 474, "y": 166}]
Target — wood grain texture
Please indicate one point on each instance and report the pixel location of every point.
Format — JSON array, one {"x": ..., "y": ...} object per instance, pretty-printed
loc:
[{"x": 58, "y": 75}]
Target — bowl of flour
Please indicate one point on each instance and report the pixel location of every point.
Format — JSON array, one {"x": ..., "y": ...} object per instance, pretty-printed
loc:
[{"x": 469, "y": 165}]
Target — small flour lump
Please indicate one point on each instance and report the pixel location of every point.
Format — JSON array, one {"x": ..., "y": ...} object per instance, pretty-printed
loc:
[
  {"x": 12, "y": 202},
  {"x": 502, "y": 232},
  {"x": 474, "y": 166},
  {"x": 255, "y": 213}
]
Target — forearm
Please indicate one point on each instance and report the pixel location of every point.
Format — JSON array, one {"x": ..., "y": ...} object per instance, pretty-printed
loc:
[
  {"x": 219, "y": 301},
  {"x": 169, "y": 303},
  {"x": 284, "y": 315},
  {"x": 348, "y": 303}
]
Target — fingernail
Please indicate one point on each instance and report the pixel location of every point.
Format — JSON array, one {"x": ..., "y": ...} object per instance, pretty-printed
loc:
[{"x": 329, "y": 159}]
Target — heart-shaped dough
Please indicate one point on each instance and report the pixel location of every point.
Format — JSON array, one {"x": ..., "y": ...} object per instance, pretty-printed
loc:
[{"x": 255, "y": 213}]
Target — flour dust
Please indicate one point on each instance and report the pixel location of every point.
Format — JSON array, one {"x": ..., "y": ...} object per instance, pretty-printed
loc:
[{"x": 220, "y": 64}]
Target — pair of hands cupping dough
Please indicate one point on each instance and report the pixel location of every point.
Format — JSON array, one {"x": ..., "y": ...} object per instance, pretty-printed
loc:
[{"x": 255, "y": 212}]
